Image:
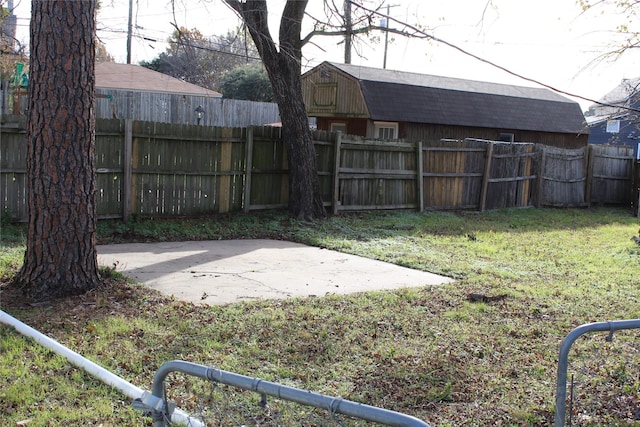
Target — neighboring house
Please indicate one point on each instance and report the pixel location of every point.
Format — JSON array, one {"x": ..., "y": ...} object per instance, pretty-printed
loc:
[
  {"x": 131, "y": 91},
  {"x": 110, "y": 75},
  {"x": 386, "y": 104},
  {"x": 613, "y": 121}
]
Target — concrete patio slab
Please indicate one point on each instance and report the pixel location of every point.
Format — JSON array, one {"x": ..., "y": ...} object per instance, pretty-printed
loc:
[{"x": 227, "y": 271}]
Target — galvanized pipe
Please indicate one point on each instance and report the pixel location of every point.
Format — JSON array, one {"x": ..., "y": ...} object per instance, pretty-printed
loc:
[
  {"x": 563, "y": 360},
  {"x": 331, "y": 404},
  {"x": 93, "y": 369}
]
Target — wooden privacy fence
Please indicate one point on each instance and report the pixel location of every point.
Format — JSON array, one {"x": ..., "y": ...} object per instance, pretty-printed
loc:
[
  {"x": 478, "y": 174},
  {"x": 177, "y": 108},
  {"x": 160, "y": 169}
]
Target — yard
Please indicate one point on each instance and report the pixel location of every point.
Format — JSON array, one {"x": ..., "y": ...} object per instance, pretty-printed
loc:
[{"x": 430, "y": 352}]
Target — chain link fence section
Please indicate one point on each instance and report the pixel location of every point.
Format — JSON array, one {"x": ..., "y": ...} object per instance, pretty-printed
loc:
[
  {"x": 214, "y": 397},
  {"x": 602, "y": 377}
]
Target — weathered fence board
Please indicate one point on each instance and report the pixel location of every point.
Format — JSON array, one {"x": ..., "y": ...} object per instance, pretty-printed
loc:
[
  {"x": 269, "y": 183},
  {"x": 610, "y": 174},
  {"x": 452, "y": 173},
  {"x": 325, "y": 144},
  {"x": 564, "y": 177},
  {"x": 161, "y": 169},
  {"x": 13, "y": 173},
  {"x": 187, "y": 170},
  {"x": 110, "y": 162},
  {"x": 377, "y": 175},
  {"x": 511, "y": 176},
  {"x": 161, "y": 107}
]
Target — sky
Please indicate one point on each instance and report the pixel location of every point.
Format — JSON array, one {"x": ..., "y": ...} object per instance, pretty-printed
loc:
[{"x": 548, "y": 41}]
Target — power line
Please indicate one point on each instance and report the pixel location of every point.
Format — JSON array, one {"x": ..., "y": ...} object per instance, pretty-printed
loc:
[
  {"x": 209, "y": 49},
  {"x": 426, "y": 35}
]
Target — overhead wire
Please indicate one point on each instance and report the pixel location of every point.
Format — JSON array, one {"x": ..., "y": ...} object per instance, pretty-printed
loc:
[
  {"x": 412, "y": 31},
  {"x": 424, "y": 34}
]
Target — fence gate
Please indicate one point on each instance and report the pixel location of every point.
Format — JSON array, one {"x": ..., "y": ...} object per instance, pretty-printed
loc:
[{"x": 564, "y": 177}]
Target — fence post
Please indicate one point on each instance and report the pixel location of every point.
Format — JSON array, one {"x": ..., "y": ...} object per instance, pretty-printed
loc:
[
  {"x": 485, "y": 177},
  {"x": 224, "y": 192},
  {"x": 589, "y": 166},
  {"x": 126, "y": 172},
  {"x": 420, "y": 186},
  {"x": 336, "y": 174},
  {"x": 541, "y": 170},
  {"x": 248, "y": 168},
  {"x": 636, "y": 187}
]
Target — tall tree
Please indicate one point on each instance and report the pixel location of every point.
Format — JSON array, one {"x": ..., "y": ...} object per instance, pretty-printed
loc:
[
  {"x": 102, "y": 54},
  {"x": 623, "y": 39},
  {"x": 249, "y": 82},
  {"x": 203, "y": 61},
  {"x": 283, "y": 60},
  {"x": 12, "y": 51},
  {"x": 283, "y": 64},
  {"x": 624, "y": 13},
  {"x": 61, "y": 257}
]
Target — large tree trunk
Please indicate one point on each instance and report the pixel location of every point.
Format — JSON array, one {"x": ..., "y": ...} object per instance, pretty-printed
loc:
[
  {"x": 283, "y": 65},
  {"x": 61, "y": 258},
  {"x": 305, "y": 200}
]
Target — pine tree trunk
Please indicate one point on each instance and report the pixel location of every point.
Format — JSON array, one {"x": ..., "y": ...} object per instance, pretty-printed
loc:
[{"x": 61, "y": 258}]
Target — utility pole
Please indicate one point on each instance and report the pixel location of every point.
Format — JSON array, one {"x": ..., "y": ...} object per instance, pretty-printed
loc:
[
  {"x": 348, "y": 26},
  {"x": 129, "y": 31},
  {"x": 386, "y": 35},
  {"x": 246, "y": 45}
]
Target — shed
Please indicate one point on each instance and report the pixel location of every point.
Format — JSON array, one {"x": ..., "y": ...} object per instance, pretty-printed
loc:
[{"x": 387, "y": 104}]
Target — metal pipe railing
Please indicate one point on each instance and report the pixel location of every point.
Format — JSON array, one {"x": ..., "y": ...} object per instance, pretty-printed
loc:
[
  {"x": 563, "y": 360},
  {"x": 331, "y": 404},
  {"x": 94, "y": 369}
]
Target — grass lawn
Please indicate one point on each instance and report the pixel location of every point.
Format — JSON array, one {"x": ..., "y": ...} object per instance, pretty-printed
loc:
[{"x": 429, "y": 352}]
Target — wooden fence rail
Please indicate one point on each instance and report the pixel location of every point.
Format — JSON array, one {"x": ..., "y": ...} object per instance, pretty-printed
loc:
[{"x": 160, "y": 169}]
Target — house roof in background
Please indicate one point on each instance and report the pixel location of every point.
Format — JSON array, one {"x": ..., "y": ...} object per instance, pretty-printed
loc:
[
  {"x": 421, "y": 98},
  {"x": 622, "y": 95},
  {"x": 110, "y": 75}
]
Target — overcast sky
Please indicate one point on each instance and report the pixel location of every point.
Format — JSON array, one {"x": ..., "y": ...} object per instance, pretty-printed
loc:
[{"x": 550, "y": 41}]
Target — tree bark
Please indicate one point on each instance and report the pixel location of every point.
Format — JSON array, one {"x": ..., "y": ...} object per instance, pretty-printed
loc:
[
  {"x": 61, "y": 258},
  {"x": 283, "y": 65}
]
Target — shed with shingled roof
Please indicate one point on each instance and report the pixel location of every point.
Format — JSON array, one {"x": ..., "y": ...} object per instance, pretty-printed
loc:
[{"x": 387, "y": 104}]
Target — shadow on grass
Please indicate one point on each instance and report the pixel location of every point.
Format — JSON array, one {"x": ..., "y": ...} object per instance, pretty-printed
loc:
[
  {"x": 374, "y": 225},
  {"x": 365, "y": 226}
]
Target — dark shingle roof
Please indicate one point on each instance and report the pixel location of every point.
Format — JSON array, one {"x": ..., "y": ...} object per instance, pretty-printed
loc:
[{"x": 419, "y": 98}]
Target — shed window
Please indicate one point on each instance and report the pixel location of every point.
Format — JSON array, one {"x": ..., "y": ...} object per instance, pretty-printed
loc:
[
  {"x": 385, "y": 130},
  {"x": 506, "y": 137},
  {"x": 342, "y": 127}
]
